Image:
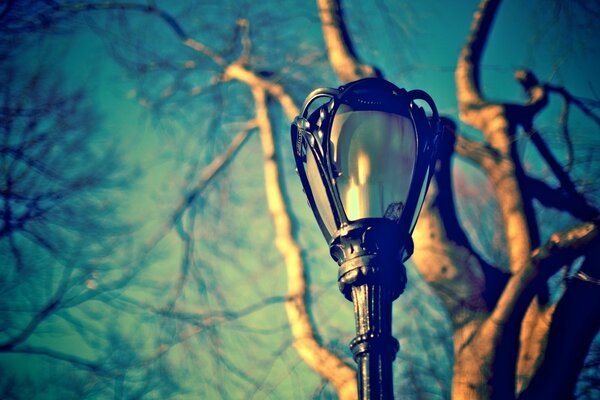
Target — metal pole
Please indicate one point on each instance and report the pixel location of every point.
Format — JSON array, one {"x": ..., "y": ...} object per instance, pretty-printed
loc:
[
  {"x": 372, "y": 277},
  {"x": 374, "y": 347}
]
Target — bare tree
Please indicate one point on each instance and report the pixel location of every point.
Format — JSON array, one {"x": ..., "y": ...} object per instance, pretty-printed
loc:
[
  {"x": 60, "y": 232},
  {"x": 226, "y": 87},
  {"x": 489, "y": 311}
]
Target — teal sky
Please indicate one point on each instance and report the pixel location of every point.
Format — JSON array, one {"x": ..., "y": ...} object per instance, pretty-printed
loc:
[{"x": 415, "y": 44}]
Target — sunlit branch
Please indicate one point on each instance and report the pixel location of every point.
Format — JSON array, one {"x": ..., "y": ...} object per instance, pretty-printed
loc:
[
  {"x": 561, "y": 249},
  {"x": 201, "y": 48},
  {"x": 536, "y": 93},
  {"x": 340, "y": 50},
  {"x": 499, "y": 123},
  {"x": 573, "y": 327},
  {"x": 468, "y": 66},
  {"x": 494, "y": 346},
  {"x": 481, "y": 154},
  {"x": 244, "y": 27},
  {"x": 443, "y": 253},
  {"x": 237, "y": 72},
  {"x": 538, "y": 98},
  {"x": 314, "y": 354}
]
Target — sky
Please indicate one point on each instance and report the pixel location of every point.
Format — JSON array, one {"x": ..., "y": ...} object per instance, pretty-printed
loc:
[{"x": 415, "y": 44}]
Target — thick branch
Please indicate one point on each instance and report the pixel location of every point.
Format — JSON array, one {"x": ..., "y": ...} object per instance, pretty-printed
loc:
[
  {"x": 538, "y": 99},
  {"x": 320, "y": 359},
  {"x": 238, "y": 72},
  {"x": 340, "y": 51},
  {"x": 485, "y": 367},
  {"x": 561, "y": 199},
  {"x": 574, "y": 326},
  {"x": 561, "y": 249},
  {"x": 443, "y": 252},
  {"x": 566, "y": 183},
  {"x": 481, "y": 154},
  {"x": 536, "y": 93},
  {"x": 468, "y": 66},
  {"x": 498, "y": 122}
]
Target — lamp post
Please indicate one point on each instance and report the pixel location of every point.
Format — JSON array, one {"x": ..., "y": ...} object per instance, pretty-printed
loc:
[{"x": 364, "y": 153}]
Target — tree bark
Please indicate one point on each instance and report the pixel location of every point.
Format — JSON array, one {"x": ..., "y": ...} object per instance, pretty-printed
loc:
[
  {"x": 319, "y": 358},
  {"x": 340, "y": 51},
  {"x": 574, "y": 325}
]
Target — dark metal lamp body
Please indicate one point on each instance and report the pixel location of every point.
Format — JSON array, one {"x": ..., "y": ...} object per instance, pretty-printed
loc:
[{"x": 365, "y": 157}]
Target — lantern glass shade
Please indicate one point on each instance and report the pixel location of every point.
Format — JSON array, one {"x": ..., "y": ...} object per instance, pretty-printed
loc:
[
  {"x": 321, "y": 200},
  {"x": 373, "y": 155},
  {"x": 420, "y": 199},
  {"x": 365, "y": 155}
]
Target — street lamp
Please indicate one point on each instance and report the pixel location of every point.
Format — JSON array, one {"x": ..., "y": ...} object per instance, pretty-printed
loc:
[{"x": 365, "y": 156}]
